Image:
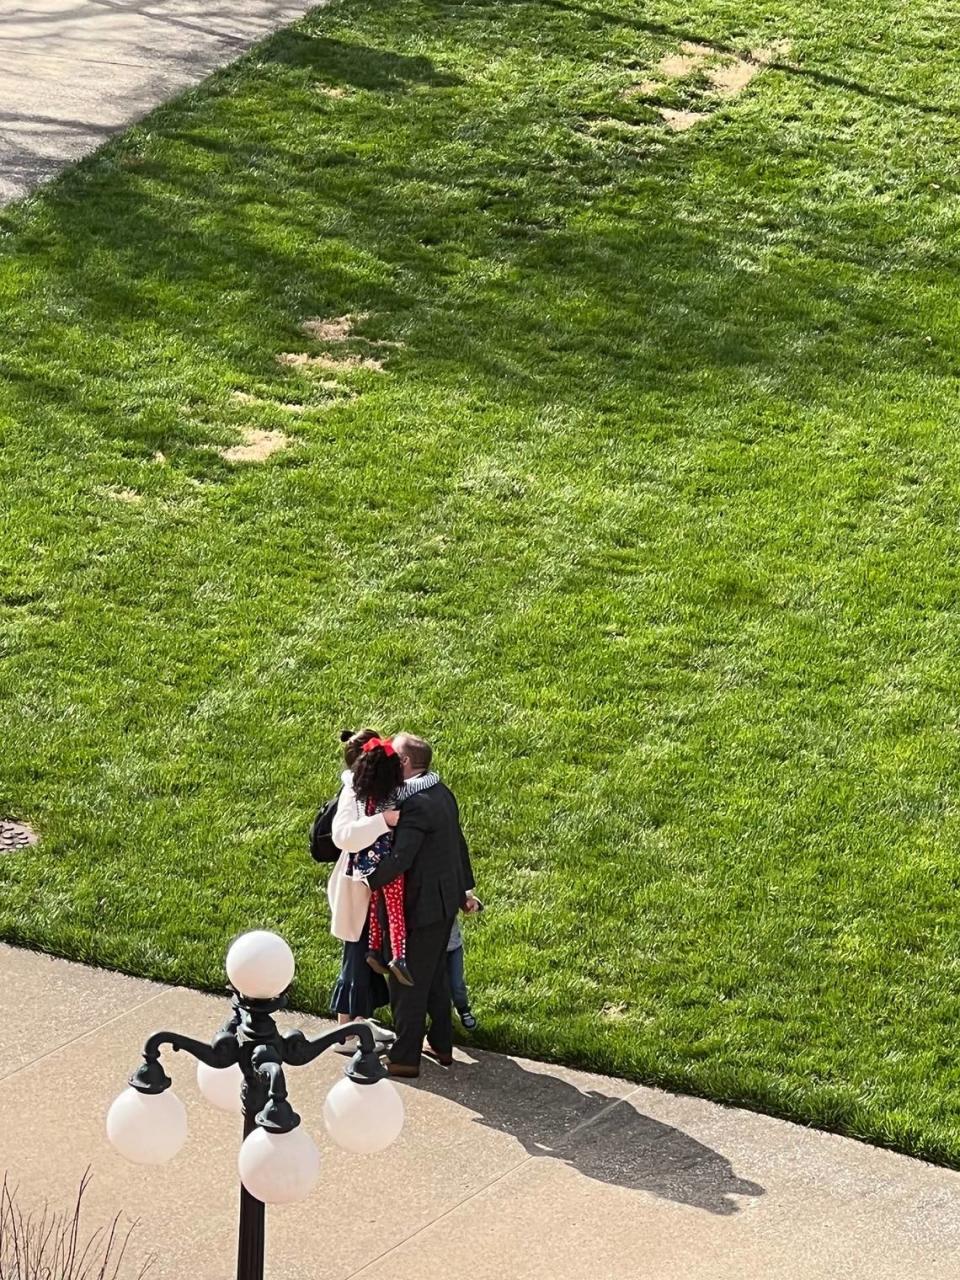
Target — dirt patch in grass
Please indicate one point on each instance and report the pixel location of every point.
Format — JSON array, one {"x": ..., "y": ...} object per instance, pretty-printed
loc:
[
  {"x": 732, "y": 77},
  {"x": 256, "y": 446},
  {"x": 288, "y": 406},
  {"x": 125, "y": 495},
  {"x": 334, "y": 363},
  {"x": 298, "y": 359},
  {"x": 331, "y": 90},
  {"x": 677, "y": 65}
]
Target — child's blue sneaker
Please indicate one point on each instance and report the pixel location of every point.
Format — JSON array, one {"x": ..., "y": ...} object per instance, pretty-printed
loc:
[{"x": 467, "y": 1018}]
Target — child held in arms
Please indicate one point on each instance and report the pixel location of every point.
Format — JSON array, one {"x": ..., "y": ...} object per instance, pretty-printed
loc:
[{"x": 378, "y": 786}]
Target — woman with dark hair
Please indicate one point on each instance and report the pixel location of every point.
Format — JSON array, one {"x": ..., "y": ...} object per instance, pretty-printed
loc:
[{"x": 358, "y": 990}]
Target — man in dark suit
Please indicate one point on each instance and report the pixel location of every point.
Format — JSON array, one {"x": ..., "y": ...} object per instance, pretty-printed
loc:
[{"x": 429, "y": 847}]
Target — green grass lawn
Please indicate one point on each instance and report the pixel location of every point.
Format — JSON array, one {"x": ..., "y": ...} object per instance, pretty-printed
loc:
[{"x": 649, "y": 521}]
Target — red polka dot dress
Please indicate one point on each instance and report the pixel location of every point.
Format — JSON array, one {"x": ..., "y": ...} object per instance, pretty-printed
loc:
[{"x": 392, "y": 896}]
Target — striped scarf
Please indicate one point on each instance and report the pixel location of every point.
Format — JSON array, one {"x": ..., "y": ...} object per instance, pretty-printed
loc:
[{"x": 414, "y": 785}]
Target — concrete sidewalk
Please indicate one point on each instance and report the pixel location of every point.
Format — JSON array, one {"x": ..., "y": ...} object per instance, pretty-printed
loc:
[
  {"x": 506, "y": 1169},
  {"x": 72, "y": 72}
]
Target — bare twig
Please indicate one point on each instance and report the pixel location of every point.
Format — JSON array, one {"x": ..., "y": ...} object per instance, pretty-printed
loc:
[{"x": 46, "y": 1245}]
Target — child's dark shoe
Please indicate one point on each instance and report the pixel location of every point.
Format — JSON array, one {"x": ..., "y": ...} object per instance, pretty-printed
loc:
[
  {"x": 398, "y": 967},
  {"x": 468, "y": 1019},
  {"x": 377, "y": 963}
]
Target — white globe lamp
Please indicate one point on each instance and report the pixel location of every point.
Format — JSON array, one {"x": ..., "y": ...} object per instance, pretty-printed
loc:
[
  {"x": 147, "y": 1128},
  {"x": 260, "y": 965},
  {"x": 279, "y": 1168},
  {"x": 221, "y": 1087},
  {"x": 363, "y": 1118}
]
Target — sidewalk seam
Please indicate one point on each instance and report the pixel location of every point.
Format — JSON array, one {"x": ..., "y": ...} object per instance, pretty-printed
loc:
[
  {"x": 372, "y": 1262},
  {"x": 91, "y": 1031},
  {"x": 585, "y": 1124},
  {"x": 479, "y": 1191}
]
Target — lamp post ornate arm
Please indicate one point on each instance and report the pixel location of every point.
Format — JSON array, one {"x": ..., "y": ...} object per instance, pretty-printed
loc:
[
  {"x": 150, "y": 1077},
  {"x": 297, "y": 1050},
  {"x": 279, "y": 1160}
]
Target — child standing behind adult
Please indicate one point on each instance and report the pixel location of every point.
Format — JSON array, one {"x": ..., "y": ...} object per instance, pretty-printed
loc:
[{"x": 457, "y": 975}]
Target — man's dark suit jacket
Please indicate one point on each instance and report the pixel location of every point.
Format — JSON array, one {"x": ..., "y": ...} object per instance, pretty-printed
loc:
[{"x": 430, "y": 848}]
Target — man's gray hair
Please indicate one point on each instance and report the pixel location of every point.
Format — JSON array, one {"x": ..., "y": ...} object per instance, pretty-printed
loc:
[{"x": 417, "y": 750}]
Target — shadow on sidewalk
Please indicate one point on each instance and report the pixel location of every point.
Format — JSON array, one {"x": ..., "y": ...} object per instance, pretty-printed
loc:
[{"x": 598, "y": 1134}]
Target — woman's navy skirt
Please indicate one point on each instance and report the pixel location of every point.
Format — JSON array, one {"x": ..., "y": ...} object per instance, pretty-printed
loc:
[{"x": 358, "y": 991}]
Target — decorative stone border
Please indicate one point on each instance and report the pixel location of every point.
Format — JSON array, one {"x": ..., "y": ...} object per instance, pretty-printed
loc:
[{"x": 15, "y": 836}]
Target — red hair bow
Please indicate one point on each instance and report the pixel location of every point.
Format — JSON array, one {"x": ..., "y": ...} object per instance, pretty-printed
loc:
[{"x": 372, "y": 743}]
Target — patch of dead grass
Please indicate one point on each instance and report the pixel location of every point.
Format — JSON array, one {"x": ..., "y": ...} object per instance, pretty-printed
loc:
[
  {"x": 124, "y": 495},
  {"x": 615, "y": 1012},
  {"x": 337, "y": 329},
  {"x": 733, "y": 75},
  {"x": 297, "y": 359},
  {"x": 775, "y": 52},
  {"x": 680, "y": 121},
  {"x": 728, "y": 76},
  {"x": 731, "y": 78},
  {"x": 296, "y": 407},
  {"x": 334, "y": 364},
  {"x": 288, "y": 406},
  {"x": 256, "y": 446},
  {"x": 674, "y": 66},
  {"x": 677, "y": 65},
  {"x": 611, "y": 122},
  {"x": 642, "y": 90},
  {"x": 341, "y": 329}
]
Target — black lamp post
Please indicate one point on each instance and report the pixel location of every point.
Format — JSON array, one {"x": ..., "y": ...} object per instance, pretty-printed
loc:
[{"x": 363, "y": 1112}]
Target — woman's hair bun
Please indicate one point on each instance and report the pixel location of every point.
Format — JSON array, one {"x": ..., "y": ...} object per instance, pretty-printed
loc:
[{"x": 346, "y": 735}]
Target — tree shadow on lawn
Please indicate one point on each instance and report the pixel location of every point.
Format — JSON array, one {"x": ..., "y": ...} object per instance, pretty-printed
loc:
[
  {"x": 601, "y": 1136},
  {"x": 340, "y": 62},
  {"x": 644, "y": 297},
  {"x": 680, "y": 34},
  {"x": 632, "y": 297}
]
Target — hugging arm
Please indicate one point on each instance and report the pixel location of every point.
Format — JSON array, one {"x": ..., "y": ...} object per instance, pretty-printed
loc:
[
  {"x": 353, "y": 830},
  {"x": 408, "y": 839}
]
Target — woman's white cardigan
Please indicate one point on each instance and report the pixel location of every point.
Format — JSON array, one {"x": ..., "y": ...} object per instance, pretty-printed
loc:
[{"x": 353, "y": 830}]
